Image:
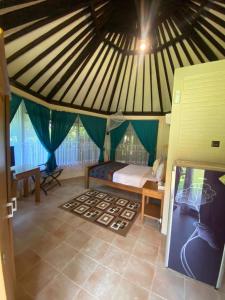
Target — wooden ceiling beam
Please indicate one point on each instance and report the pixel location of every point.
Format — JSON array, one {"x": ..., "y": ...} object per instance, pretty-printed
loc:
[
  {"x": 122, "y": 61},
  {"x": 161, "y": 30},
  {"x": 164, "y": 67},
  {"x": 58, "y": 56},
  {"x": 150, "y": 79},
  {"x": 124, "y": 74},
  {"x": 77, "y": 74},
  {"x": 213, "y": 5},
  {"x": 104, "y": 75},
  {"x": 34, "y": 26},
  {"x": 96, "y": 60},
  {"x": 69, "y": 105},
  {"x": 135, "y": 85},
  {"x": 51, "y": 32},
  {"x": 181, "y": 42},
  {"x": 123, "y": 41},
  {"x": 208, "y": 14},
  {"x": 143, "y": 84},
  {"x": 212, "y": 28},
  {"x": 130, "y": 75},
  {"x": 159, "y": 86},
  {"x": 97, "y": 71},
  {"x": 188, "y": 39},
  {"x": 210, "y": 38},
  {"x": 197, "y": 38},
  {"x": 36, "y": 11},
  {"x": 66, "y": 61},
  {"x": 50, "y": 49},
  {"x": 168, "y": 30},
  {"x": 89, "y": 49}
]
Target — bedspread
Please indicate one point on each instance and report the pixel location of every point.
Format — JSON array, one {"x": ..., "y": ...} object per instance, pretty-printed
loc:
[{"x": 106, "y": 171}]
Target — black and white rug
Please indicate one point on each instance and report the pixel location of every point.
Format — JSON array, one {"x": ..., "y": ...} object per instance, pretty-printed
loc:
[{"x": 111, "y": 212}]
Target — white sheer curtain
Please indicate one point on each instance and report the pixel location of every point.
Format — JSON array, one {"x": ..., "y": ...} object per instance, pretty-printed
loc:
[
  {"x": 27, "y": 147},
  {"x": 76, "y": 149},
  {"x": 130, "y": 150}
]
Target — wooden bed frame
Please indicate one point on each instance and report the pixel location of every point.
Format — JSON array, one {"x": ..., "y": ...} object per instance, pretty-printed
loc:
[{"x": 110, "y": 183}]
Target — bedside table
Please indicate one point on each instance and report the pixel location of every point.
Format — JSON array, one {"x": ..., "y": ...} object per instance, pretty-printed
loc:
[{"x": 150, "y": 189}]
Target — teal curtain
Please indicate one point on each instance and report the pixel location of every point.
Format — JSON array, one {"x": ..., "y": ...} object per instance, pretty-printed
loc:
[
  {"x": 14, "y": 105},
  {"x": 116, "y": 136},
  {"x": 147, "y": 132},
  {"x": 40, "y": 119},
  {"x": 96, "y": 128},
  {"x": 61, "y": 123}
]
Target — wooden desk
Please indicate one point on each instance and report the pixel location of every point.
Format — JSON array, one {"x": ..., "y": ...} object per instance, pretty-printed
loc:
[
  {"x": 23, "y": 173},
  {"x": 150, "y": 189}
]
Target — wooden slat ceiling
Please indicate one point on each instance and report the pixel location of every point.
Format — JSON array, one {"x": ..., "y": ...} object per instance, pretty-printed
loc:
[{"x": 85, "y": 54}]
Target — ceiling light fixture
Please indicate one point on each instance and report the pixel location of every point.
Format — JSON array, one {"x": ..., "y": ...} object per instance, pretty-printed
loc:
[{"x": 143, "y": 45}]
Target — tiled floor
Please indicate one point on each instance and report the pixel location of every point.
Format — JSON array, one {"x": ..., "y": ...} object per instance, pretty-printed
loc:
[{"x": 61, "y": 257}]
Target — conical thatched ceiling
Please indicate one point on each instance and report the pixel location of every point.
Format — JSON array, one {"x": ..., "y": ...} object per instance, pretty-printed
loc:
[{"x": 85, "y": 54}]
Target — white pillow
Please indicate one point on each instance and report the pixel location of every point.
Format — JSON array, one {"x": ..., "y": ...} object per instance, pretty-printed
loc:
[
  {"x": 155, "y": 166},
  {"x": 160, "y": 172}
]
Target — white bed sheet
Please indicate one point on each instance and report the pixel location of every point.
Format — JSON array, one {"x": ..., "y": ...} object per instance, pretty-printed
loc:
[{"x": 134, "y": 175}]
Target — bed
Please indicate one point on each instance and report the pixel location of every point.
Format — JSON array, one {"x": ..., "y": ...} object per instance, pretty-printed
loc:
[{"x": 119, "y": 175}]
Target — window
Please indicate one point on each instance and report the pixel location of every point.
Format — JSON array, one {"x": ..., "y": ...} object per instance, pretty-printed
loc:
[
  {"x": 28, "y": 148},
  {"x": 76, "y": 149},
  {"x": 130, "y": 149}
]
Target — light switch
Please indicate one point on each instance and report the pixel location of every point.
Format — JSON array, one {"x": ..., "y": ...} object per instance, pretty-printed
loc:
[{"x": 215, "y": 144}]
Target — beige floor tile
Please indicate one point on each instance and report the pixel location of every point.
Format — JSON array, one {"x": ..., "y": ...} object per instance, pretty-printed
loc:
[
  {"x": 168, "y": 285},
  {"x": 129, "y": 291},
  {"x": 89, "y": 228},
  {"x": 21, "y": 294},
  {"x": 124, "y": 243},
  {"x": 76, "y": 221},
  {"x": 61, "y": 256},
  {"x": 135, "y": 231},
  {"x": 153, "y": 296},
  {"x": 139, "y": 272},
  {"x": 150, "y": 236},
  {"x": 62, "y": 215},
  {"x": 25, "y": 261},
  {"x": 105, "y": 235},
  {"x": 160, "y": 261},
  {"x": 51, "y": 224},
  {"x": 78, "y": 239},
  {"x": 83, "y": 295},
  {"x": 115, "y": 259},
  {"x": 44, "y": 245},
  {"x": 195, "y": 290},
  {"x": 60, "y": 288},
  {"x": 102, "y": 283},
  {"x": 55, "y": 235},
  {"x": 27, "y": 239},
  {"x": 149, "y": 253},
  {"x": 37, "y": 278},
  {"x": 80, "y": 269},
  {"x": 64, "y": 231},
  {"x": 95, "y": 248}
]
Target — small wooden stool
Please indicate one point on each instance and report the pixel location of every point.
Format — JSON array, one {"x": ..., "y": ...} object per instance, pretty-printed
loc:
[{"x": 150, "y": 189}]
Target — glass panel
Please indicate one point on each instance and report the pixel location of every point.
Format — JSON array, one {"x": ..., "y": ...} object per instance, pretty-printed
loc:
[{"x": 130, "y": 149}]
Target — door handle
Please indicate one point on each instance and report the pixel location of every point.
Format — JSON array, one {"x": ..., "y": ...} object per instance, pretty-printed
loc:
[
  {"x": 10, "y": 205},
  {"x": 14, "y": 202}
]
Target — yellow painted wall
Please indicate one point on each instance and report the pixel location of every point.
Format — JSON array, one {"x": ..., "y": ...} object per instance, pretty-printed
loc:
[{"x": 197, "y": 119}]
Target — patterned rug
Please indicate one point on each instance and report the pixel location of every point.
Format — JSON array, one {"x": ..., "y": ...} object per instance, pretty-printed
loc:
[{"x": 114, "y": 213}]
